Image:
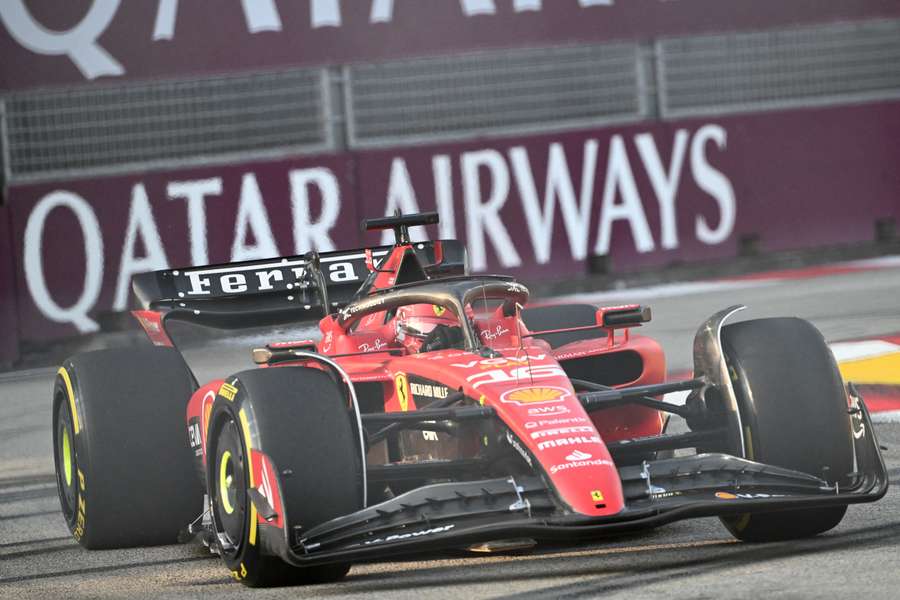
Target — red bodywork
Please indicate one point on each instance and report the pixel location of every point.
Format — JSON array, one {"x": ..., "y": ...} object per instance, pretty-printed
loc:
[{"x": 528, "y": 387}]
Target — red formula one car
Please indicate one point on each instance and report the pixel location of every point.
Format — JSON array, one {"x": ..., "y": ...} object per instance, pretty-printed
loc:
[{"x": 438, "y": 412}]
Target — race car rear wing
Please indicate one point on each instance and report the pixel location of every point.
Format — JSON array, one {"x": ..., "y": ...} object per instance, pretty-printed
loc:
[{"x": 278, "y": 290}]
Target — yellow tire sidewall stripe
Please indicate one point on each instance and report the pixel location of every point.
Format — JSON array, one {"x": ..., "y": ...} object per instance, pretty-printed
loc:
[
  {"x": 76, "y": 425},
  {"x": 245, "y": 427}
]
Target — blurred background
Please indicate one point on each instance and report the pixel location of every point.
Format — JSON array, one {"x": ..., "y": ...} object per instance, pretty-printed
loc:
[{"x": 573, "y": 143}]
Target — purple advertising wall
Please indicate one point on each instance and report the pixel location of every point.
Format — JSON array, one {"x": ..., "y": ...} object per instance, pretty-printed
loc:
[
  {"x": 9, "y": 332},
  {"x": 536, "y": 206},
  {"x": 51, "y": 43},
  {"x": 78, "y": 243},
  {"x": 653, "y": 194}
]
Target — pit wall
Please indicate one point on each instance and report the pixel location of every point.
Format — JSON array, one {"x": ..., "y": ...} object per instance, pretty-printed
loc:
[{"x": 539, "y": 207}]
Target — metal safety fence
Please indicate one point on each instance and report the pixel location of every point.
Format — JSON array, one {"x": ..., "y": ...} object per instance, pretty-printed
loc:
[
  {"x": 493, "y": 93},
  {"x": 117, "y": 127},
  {"x": 740, "y": 72},
  {"x": 124, "y": 127}
]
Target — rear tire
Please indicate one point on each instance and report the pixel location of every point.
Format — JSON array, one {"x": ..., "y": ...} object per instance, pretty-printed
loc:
[
  {"x": 123, "y": 464},
  {"x": 299, "y": 419},
  {"x": 794, "y": 412}
]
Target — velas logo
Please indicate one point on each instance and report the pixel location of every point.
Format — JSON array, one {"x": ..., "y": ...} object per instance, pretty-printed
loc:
[
  {"x": 746, "y": 496},
  {"x": 534, "y": 395},
  {"x": 405, "y": 536}
]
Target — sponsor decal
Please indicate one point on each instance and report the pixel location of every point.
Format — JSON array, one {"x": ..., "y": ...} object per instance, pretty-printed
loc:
[
  {"x": 578, "y": 464},
  {"x": 502, "y": 361},
  {"x": 262, "y": 278},
  {"x": 578, "y": 459},
  {"x": 294, "y": 344},
  {"x": 576, "y": 354},
  {"x": 498, "y": 331},
  {"x": 522, "y": 373},
  {"x": 438, "y": 310},
  {"x": 578, "y": 455},
  {"x": 534, "y": 395},
  {"x": 401, "y": 383},
  {"x": 441, "y": 355},
  {"x": 81, "y": 517},
  {"x": 328, "y": 341},
  {"x": 195, "y": 439},
  {"x": 539, "y": 411},
  {"x": 596, "y": 495},
  {"x": 405, "y": 536},
  {"x": 208, "y": 400},
  {"x": 569, "y": 441},
  {"x": 562, "y": 431},
  {"x": 663, "y": 494},
  {"x": 349, "y": 311},
  {"x": 373, "y": 347},
  {"x": 428, "y": 390},
  {"x": 743, "y": 496},
  {"x": 857, "y": 425},
  {"x": 367, "y": 377},
  {"x": 228, "y": 391},
  {"x": 515, "y": 444},
  {"x": 555, "y": 422},
  {"x": 430, "y": 436}
]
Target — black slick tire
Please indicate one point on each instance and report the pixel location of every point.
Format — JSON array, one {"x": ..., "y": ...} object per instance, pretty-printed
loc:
[
  {"x": 793, "y": 409},
  {"x": 123, "y": 464},
  {"x": 299, "y": 419}
]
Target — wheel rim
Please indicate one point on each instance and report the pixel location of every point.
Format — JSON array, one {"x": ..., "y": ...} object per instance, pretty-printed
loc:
[
  {"x": 230, "y": 487},
  {"x": 66, "y": 462},
  {"x": 67, "y": 456}
]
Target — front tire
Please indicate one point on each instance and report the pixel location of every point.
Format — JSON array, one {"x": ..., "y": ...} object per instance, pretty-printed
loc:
[
  {"x": 297, "y": 419},
  {"x": 793, "y": 408},
  {"x": 123, "y": 465}
]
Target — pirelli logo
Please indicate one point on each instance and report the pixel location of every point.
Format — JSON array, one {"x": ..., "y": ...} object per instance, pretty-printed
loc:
[{"x": 228, "y": 391}]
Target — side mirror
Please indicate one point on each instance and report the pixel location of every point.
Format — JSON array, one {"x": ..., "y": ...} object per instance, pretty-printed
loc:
[{"x": 628, "y": 315}]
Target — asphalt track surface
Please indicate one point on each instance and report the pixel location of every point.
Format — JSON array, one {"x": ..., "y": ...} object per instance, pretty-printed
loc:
[{"x": 690, "y": 559}]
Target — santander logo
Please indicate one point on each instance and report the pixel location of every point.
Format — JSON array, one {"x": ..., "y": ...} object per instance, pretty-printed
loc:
[{"x": 578, "y": 455}]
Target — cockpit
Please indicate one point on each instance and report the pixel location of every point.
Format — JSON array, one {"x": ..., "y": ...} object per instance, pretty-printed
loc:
[{"x": 467, "y": 313}]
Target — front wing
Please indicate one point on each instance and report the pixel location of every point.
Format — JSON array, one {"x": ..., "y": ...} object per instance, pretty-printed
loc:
[{"x": 456, "y": 515}]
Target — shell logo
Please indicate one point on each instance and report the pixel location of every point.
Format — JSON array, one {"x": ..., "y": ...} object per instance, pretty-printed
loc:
[{"x": 534, "y": 395}]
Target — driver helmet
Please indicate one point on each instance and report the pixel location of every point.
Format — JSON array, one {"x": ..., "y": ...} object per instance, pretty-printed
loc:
[{"x": 425, "y": 317}]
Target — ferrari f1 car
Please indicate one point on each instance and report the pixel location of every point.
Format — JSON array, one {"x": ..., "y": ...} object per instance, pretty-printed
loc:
[{"x": 438, "y": 412}]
